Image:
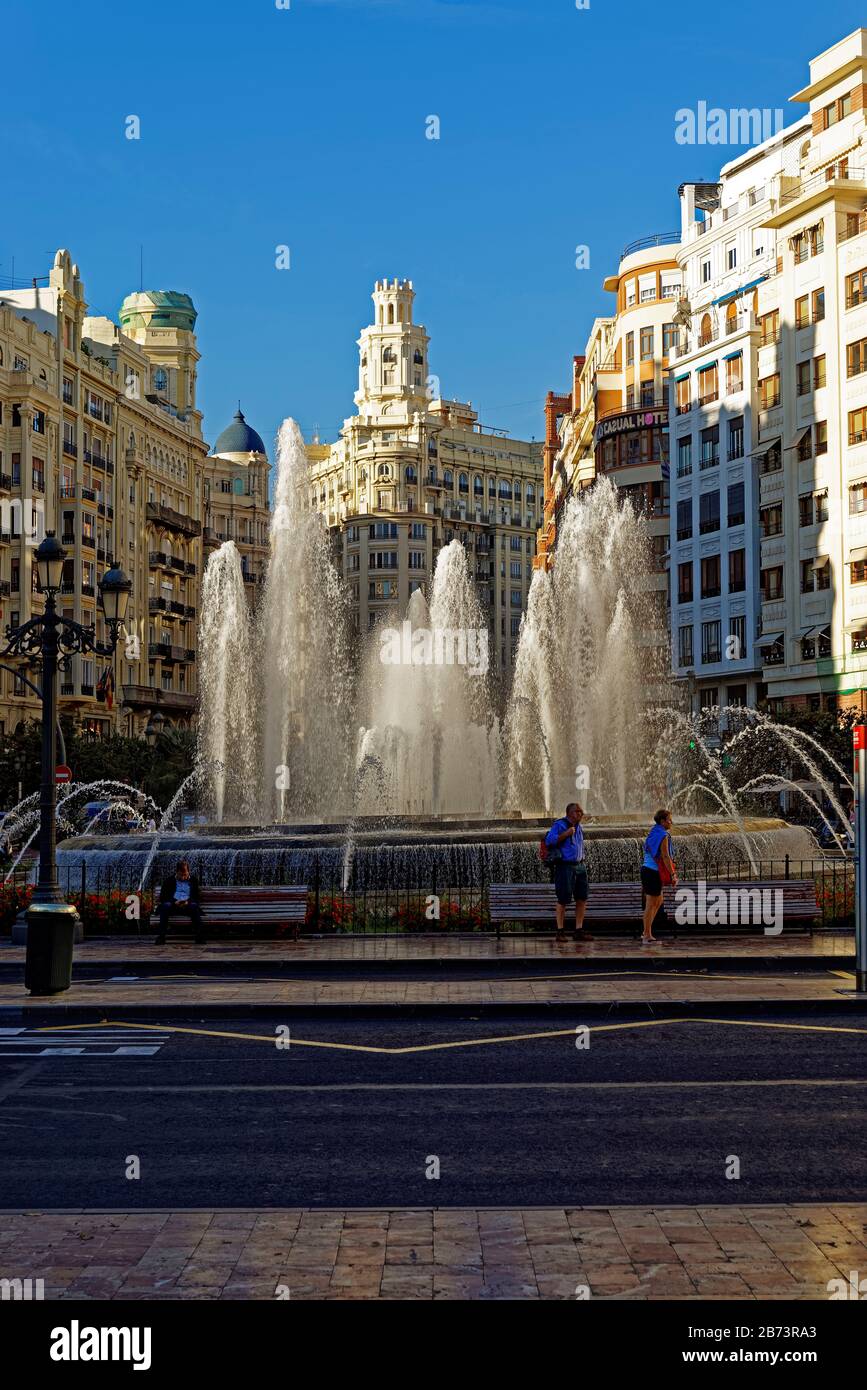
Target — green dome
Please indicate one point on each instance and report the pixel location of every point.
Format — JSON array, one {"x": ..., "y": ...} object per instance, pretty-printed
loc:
[
  {"x": 239, "y": 438},
  {"x": 158, "y": 309}
]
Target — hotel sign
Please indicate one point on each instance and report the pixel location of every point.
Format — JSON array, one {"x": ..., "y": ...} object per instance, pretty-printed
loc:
[{"x": 631, "y": 420}]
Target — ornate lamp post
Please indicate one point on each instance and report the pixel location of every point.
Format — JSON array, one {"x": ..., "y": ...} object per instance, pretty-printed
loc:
[{"x": 54, "y": 640}]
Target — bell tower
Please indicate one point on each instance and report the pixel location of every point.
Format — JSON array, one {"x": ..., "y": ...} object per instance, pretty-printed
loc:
[{"x": 393, "y": 364}]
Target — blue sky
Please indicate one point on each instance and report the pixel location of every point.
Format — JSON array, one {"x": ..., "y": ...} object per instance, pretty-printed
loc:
[{"x": 306, "y": 127}]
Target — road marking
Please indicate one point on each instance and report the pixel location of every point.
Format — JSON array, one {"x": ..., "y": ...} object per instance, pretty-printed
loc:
[
  {"x": 272, "y": 1039},
  {"x": 90, "y": 1040}
]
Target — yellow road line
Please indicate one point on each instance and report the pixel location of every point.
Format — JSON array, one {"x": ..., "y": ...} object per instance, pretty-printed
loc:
[{"x": 468, "y": 1042}]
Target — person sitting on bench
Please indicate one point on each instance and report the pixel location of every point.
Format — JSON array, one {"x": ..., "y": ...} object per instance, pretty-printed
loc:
[{"x": 181, "y": 893}]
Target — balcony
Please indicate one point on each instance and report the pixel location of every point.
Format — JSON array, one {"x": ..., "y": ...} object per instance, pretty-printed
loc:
[
  {"x": 178, "y": 608},
  {"x": 190, "y": 567},
  {"x": 68, "y": 538},
  {"x": 174, "y": 521},
  {"x": 150, "y": 697},
  {"x": 5, "y": 482},
  {"x": 70, "y": 448}
]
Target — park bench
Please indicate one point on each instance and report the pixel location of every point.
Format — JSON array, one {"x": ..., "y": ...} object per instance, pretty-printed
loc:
[
  {"x": 613, "y": 905},
  {"x": 243, "y": 906}
]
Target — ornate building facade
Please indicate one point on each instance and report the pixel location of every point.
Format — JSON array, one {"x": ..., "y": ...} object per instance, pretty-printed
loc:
[
  {"x": 412, "y": 471},
  {"x": 101, "y": 441}
]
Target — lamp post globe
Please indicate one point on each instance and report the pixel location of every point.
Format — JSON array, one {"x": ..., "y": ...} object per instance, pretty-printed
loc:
[
  {"x": 114, "y": 592},
  {"x": 50, "y": 556}
]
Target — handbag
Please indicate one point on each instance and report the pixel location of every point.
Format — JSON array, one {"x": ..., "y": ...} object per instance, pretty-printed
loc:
[{"x": 664, "y": 875}]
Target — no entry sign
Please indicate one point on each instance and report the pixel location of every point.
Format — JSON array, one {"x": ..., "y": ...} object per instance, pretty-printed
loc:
[{"x": 62, "y": 773}]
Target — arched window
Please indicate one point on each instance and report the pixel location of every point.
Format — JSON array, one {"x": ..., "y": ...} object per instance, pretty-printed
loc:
[
  {"x": 238, "y": 487},
  {"x": 477, "y": 486},
  {"x": 448, "y": 477},
  {"x": 391, "y": 313},
  {"x": 400, "y": 313},
  {"x": 731, "y": 316},
  {"x": 418, "y": 357},
  {"x": 388, "y": 354},
  {"x": 161, "y": 380},
  {"x": 383, "y": 470},
  {"x": 531, "y": 493},
  {"x": 463, "y": 483},
  {"x": 705, "y": 332},
  {"x": 411, "y": 476}
]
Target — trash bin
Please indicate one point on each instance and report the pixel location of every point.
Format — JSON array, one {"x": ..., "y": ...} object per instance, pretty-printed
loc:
[{"x": 50, "y": 934}]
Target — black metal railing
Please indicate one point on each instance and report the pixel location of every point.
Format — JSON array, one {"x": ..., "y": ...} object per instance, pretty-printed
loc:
[{"x": 429, "y": 900}]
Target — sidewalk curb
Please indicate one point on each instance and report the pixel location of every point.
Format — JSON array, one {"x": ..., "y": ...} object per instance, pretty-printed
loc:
[
  {"x": 665, "y": 960},
  {"x": 34, "y": 1014}
]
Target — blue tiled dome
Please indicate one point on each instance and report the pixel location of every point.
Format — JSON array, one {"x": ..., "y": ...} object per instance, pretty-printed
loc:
[{"x": 239, "y": 438}]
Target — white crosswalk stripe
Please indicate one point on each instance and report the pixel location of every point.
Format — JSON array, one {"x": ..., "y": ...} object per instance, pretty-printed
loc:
[{"x": 96, "y": 1042}]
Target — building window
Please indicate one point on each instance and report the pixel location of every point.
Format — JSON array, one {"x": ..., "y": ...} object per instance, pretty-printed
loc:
[
  {"x": 669, "y": 338},
  {"x": 630, "y": 349},
  {"x": 734, "y": 374},
  {"x": 856, "y": 288},
  {"x": 684, "y": 402},
  {"x": 735, "y": 509},
  {"x": 858, "y": 426},
  {"x": 684, "y": 456},
  {"x": 647, "y": 344},
  {"x": 818, "y": 305},
  {"x": 710, "y": 576},
  {"x": 769, "y": 391},
  {"x": 819, "y": 377},
  {"x": 738, "y": 636},
  {"x": 708, "y": 384},
  {"x": 736, "y": 437},
  {"x": 709, "y": 456},
  {"x": 803, "y": 378},
  {"x": 769, "y": 328},
  {"x": 684, "y": 582},
  {"x": 771, "y": 520},
  {"x": 684, "y": 519},
  {"x": 710, "y": 643},
  {"x": 772, "y": 584},
  {"x": 802, "y": 311},
  {"x": 821, "y": 430},
  {"x": 856, "y": 357},
  {"x": 737, "y": 571},
  {"x": 684, "y": 644},
  {"x": 708, "y": 513},
  {"x": 705, "y": 271}
]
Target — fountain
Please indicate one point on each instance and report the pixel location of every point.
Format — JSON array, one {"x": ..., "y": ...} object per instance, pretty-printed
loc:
[{"x": 386, "y": 758}]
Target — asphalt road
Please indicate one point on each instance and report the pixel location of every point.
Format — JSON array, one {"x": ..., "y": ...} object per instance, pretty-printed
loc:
[{"x": 648, "y": 1113}]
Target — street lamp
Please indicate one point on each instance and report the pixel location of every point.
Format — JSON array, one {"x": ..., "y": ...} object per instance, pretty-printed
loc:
[
  {"x": 53, "y": 640},
  {"x": 154, "y": 729}
]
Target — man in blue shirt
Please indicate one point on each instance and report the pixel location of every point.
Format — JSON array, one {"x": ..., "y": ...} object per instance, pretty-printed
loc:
[{"x": 565, "y": 841}]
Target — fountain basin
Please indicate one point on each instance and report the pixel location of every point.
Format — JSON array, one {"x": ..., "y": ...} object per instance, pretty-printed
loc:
[{"x": 420, "y": 853}]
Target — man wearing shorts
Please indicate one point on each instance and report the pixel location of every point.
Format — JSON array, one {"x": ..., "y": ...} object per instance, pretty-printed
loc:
[{"x": 565, "y": 841}]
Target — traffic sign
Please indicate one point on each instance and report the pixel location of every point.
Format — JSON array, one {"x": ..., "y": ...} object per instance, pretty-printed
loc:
[
  {"x": 858, "y": 732},
  {"x": 62, "y": 773}
]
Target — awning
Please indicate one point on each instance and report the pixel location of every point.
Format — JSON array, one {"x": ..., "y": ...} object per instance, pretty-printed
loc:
[
  {"x": 810, "y": 632},
  {"x": 858, "y": 556},
  {"x": 683, "y": 377},
  {"x": 735, "y": 294},
  {"x": 802, "y": 435},
  {"x": 708, "y": 367},
  {"x": 769, "y": 639},
  {"x": 731, "y": 355},
  {"x": 820, "y": 562},
  {"x": 859, "y": 625}
]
